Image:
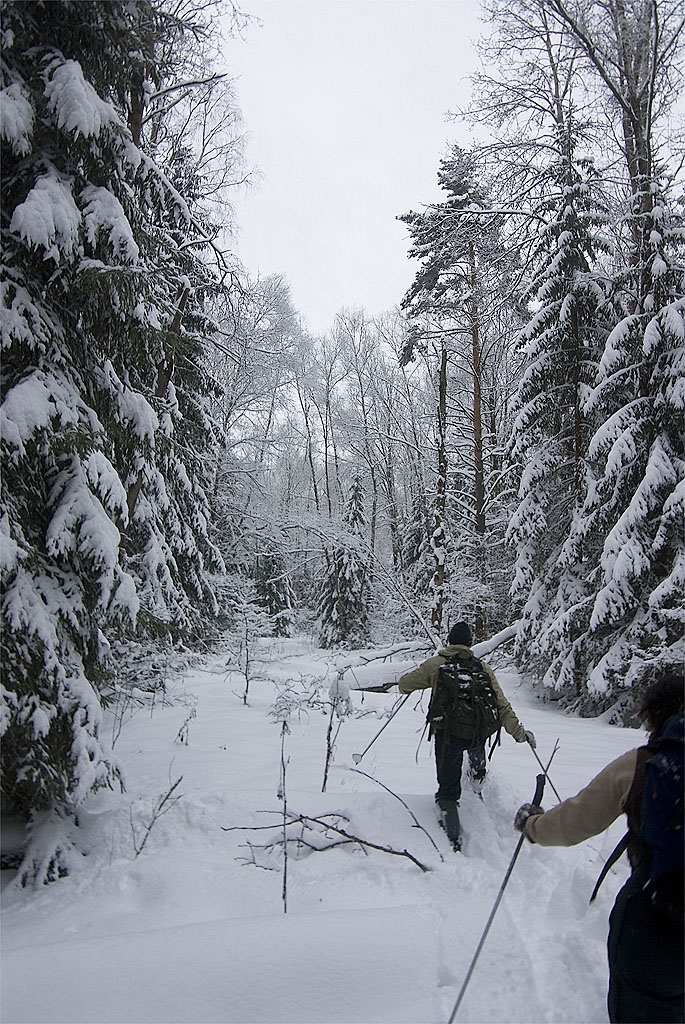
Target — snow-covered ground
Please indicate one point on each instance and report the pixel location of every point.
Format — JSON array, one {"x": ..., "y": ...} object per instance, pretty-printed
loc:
[{"x": 189, "y": 932}]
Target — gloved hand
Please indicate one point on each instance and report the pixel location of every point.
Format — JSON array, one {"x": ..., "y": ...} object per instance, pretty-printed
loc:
[
  {"x": 529, "y": 737},
  {"x": 525, "y": 812}
]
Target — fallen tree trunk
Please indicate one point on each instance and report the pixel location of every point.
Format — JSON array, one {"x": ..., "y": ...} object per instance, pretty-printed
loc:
[{"x": 503, "y": 637}]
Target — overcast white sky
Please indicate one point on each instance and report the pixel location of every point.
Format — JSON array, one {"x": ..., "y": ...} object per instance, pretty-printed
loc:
[{"x": 345, "y": 105}]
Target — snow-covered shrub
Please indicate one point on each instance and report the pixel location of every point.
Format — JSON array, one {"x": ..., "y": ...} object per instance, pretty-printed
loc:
[{"x": 245, "y": 654}]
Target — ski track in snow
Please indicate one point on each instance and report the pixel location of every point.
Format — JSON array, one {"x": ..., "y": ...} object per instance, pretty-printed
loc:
[{"x": 189, "y": 933}]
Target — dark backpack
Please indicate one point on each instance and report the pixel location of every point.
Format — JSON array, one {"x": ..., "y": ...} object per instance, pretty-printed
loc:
[
  {"x": 464, "y": 702},
  {"x": 662, "y": 821},
  {"x": 655, "y": 842}
]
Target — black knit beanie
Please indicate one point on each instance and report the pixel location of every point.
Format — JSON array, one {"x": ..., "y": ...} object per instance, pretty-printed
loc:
[{"x": 460, "y": 633}]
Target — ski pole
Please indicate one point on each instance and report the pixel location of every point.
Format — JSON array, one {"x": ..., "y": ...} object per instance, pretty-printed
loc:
[
  {"x": 381, "y": 688},
  {"x": 423, "y": 733},
  {"x": 357, "y": 757},
  {"x": 539, "y": 789},
  {"x": 543, "y": 768}
]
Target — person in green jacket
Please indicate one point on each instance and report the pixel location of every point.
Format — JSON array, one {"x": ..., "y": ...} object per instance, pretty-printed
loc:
[{"x": 450, "y": 749}]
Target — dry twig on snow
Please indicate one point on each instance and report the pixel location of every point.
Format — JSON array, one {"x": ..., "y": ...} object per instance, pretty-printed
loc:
[{"x": 309, "y": 822}]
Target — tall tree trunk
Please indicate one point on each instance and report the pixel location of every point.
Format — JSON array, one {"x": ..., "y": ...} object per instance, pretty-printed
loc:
[
  {"x": 417, "y": 461},
  {"x": 397, "y": 560},
  {"x": 479, "y": 481},
  {"x": 136, "y": 109},
  {"x": 326, "y": 468},
  {"x": 310, "y": 446},
  {"x": 578, "y": 446},
  {"x": 438, "y": 539}
]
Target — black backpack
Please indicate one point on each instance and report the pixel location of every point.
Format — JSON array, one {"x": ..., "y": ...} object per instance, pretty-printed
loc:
[
  {"x": 662, "y": 821},
  {"x": 464, "y": 702},
  {"x": 661, "y": 836}
]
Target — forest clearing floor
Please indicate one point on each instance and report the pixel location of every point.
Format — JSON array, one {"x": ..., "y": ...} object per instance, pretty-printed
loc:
[{"x": 190, "y": 932}]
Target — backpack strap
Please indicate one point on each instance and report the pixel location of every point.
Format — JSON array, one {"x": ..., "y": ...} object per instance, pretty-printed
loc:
[
  {"x": 632, "y": 840},
  {"x": 637, "y": 851},
  {"x": 617, "y": 852}
]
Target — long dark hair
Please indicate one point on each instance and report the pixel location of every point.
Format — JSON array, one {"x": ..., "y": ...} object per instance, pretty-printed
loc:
[{"x": 663, "y": 698}]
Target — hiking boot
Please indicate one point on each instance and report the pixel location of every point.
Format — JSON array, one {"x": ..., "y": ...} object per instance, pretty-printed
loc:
[{"x": 448, "y": 819}]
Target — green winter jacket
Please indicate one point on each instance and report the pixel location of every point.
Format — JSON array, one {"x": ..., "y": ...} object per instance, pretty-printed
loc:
[{"x": 426, "y": 674}]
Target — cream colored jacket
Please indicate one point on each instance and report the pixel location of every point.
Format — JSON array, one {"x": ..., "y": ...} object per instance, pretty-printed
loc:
[{"x": 590, "y": 811}]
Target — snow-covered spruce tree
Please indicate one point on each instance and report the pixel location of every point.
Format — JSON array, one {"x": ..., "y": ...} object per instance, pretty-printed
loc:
[
  {"x": 103, "y": 514},
  {"x": 561, "y": 347},
  {"x": 627, "y": 536},
  {"x": 634, "y": 613},
  {"x": 272, "y": 588},
  {"x": 343, "y": 594}
]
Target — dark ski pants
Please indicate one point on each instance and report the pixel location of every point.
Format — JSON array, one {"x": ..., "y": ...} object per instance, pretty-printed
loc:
[
  {"x": 645, "y": 962},
  {"x": 449, "y": 755}
]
